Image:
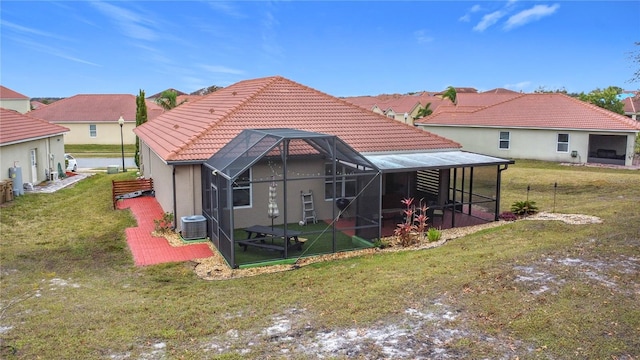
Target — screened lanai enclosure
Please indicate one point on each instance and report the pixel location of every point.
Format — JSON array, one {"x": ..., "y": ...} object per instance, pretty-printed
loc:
[
  {"x": 271, "y": 195},
  {"x": 276, "y": 195}
]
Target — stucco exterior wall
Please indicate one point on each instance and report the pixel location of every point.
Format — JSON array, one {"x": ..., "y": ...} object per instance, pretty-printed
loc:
[
  {"x": 22, "y": 106},
  {"x": 106, "y": 133},
  {"x": 524, "y": 143},
  {"x": 49, "y": 152},
  {"x": 256, "y": 214}
]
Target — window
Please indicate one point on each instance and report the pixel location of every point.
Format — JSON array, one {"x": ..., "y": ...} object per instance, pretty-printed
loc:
[
  {"x": 563, "y": 143},
  {"x": 345, "y": 185},
  {"x": 93, "y": 131},
  {"x": 242, "y": 190},
  {"x": 505, "y": 139}
]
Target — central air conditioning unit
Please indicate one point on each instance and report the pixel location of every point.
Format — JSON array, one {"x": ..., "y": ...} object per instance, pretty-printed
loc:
[{"x": 193, "y": 227}]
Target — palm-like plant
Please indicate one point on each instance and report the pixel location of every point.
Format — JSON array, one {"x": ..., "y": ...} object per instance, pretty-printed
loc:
[
  {"x": 424, "y": 111},
  {"x": 168, "y": 99},
  {"x": 451, "y": 94}
]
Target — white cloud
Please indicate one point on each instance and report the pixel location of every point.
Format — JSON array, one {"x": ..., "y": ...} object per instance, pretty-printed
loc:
[
  {"x": 422, "y": 37},
  {"x": 222, "y": 69},
  {"x": 526, "y": 16},
  {"x": 227, "y": 8},
  {"x": 130, "y": 23},
  {"x": 467, "y": 17},
  {"x": 27, "y": 30},
  {"x": 489, "y": 20},
  {"x": 518, "y": 86},
  {"x": 51, "y": 50}
]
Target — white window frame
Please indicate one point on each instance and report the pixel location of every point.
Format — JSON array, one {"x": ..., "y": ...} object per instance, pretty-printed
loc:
[
  {"x": 248, "y": 187},
  {"x": 342, "y": 180},
  {"x": 503, "y": 140},
  {"x": 93, "y": 130},
  {"x": 559, "y": 143}
]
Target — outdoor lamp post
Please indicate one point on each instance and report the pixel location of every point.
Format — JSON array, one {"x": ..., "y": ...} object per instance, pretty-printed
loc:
[{"x": 121, "y": 123}]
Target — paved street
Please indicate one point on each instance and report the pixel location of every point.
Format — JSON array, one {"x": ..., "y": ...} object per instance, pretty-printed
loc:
[{"x": 92, "y": 163}]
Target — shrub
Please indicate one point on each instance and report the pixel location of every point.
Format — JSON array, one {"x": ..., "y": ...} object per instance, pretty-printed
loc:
[
  {"x": 165, "y": 224},
  {"x": 508, "y": 216},
  {"x": 382, "y": 243},
  {"x": 405, "y": 229},
  {"x": 433, "y": 234},
  {"x": 522, "y": 208}
]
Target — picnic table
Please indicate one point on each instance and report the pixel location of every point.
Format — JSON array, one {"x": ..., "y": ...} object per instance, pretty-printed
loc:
[{"x": 261, "y": 236}]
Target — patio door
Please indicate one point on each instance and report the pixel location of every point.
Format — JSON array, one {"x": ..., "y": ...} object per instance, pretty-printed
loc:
[{"x": 34, "y": 166}]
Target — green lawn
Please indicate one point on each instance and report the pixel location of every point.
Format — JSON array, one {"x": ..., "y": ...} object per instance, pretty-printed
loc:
[{"x": 527, "y": 290}]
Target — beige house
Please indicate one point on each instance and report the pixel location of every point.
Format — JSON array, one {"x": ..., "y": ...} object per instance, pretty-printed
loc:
[
  {"x": 13, "y": 100},
  {"x": 402, "y": 108},
  {"x": 221, "y": 156},
  {"x": 632, "y": 107},
  {"x": 31, "y": 146},
  {"x": 93, "y": 118},
  {"x": 550, "y": 127}
]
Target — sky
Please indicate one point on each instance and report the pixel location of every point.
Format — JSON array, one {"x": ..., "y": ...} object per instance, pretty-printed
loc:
[{"x": 343, "y": 48}]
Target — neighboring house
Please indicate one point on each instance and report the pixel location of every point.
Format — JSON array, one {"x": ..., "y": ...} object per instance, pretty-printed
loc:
[
  {"x": 13, "y": 100},
  {"x": 157, "y": 95},
  {"x": 35, "y": 105},
  {"x": 551, "y": 127},
  {"x": 34, "y": 146},
  {"x": 218, "y": 156},
  {"x": 402, "y": 108},
  {"x": 93, "y": 118},
  {"x": 632, "y": 107}
]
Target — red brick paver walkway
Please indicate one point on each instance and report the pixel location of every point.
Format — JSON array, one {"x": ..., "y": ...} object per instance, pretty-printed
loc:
[{"x": 148, "y": 249}]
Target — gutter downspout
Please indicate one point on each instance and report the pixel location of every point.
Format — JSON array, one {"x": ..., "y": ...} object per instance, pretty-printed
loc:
[
  {"x": 175, "y": 206},
  {"x": 498, "y": 190}
]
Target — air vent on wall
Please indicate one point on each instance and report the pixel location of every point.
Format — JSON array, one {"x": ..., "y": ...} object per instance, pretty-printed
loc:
[{"x": 193, "y": 227}]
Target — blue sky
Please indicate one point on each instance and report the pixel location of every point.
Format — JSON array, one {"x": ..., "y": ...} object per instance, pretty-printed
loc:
[{"x": 344, "y": 48}]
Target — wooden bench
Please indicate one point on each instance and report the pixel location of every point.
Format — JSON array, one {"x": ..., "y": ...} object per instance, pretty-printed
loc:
[{"x": 122, "y": 188}]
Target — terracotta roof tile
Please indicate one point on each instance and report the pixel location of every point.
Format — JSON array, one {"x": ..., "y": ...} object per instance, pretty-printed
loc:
[
  {"x": 6, "y": 93},
  {"x": 195, "y": 131},
  {"x": 95, "y": 108},
  {"x": 18, "y": 127},
  {"x": 556, "y": 111},
  {"x": 632, "y": 104}
]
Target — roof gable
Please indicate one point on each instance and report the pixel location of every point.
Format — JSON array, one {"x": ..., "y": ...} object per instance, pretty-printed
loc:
[
  {"x": 197, "y": 130},
  {"x": 95, "y": 108},
  {"x": 18, "y": 127},
  {"x": 6, "y": 93},
  {"x": 556, "y": 111}
]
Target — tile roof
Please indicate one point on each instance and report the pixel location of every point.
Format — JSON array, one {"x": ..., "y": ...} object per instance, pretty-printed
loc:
[
  {"x": 95, "y": 108},
  {"x": 398, "y": 103},
  {"x": 542, "y": 111},
  {"x": 500, "y": 91},
  {"x": 632, "y": 105},
  {"x": 6, "y": 93},
  {"x": 18, "y": 127},
  {"x": 196, "y": 130},
  {"x": 37, "y": 104}
]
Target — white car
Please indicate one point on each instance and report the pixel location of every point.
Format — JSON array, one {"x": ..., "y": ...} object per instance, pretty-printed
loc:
[{"x": 70, "y": 161}]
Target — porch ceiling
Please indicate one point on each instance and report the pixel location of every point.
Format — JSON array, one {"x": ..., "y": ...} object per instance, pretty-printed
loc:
[{"x": 400, "y": 162}]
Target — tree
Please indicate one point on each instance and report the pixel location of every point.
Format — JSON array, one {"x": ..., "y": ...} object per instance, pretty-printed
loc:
[
  {"x": 606, "y": 99},
  {"x": 207, "y": 90},
  {"x": 635, "y": 57},
  {"x": 168, "y": 99},
  {"x": 141, "y": 118},
  {"x": 424, "y": 111},
  {"x": 451, "y": 94}
]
